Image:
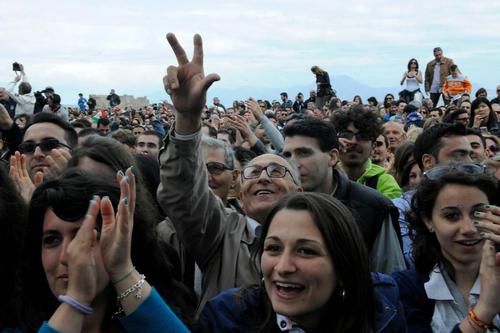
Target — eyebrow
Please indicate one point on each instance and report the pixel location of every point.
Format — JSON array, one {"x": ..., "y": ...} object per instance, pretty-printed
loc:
[{"x": 298, "y": 241}]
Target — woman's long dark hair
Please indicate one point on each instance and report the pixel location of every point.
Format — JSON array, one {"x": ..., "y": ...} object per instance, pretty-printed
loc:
[
  {"x": 68, "y": 197},
  {"x": 491, "y": 122},
  {"x": 13, "y": 221},
  {"x": 352, "y": 306},
  {"x": 409, "y": 64},
  {"x": 426, "y": 248}
]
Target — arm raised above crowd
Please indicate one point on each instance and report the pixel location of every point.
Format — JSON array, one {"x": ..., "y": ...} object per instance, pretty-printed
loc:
[
  {"x": 187, "y": 85},
  {"x": 197, "y": 214}
]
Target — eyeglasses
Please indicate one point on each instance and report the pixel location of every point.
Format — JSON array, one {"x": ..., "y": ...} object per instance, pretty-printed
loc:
[
  {"x": 216, "y": 168},
  {"x": 46, "y": 146},
  {"x": 350, "y": 135},
  {"x": 273, "y": 170},
  {"x": 493, "y": 148},
  {"x": 379, "y": 143},
  {"x": 470, "y": 168}
]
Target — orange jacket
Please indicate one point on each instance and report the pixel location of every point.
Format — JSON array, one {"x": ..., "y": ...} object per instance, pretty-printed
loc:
[{"x": 457, "y": 85}]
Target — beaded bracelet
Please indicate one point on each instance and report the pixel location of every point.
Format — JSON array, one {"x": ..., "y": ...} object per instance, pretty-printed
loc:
[
  {"x": 478, "y": 322},
  {"x": 135, "y": 288},
  {"x": 75, "y": 304}
]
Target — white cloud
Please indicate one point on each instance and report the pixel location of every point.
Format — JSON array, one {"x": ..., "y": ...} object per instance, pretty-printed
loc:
[{"x": 101, "y": 44}]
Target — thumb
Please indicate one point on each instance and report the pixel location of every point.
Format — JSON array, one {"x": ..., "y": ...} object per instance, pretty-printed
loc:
[
  {"x": 209, "y": 80},
  {"x": 38, "y": 178}
]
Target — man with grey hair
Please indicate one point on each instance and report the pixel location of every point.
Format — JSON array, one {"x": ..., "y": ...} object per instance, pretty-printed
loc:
[
  {"x": 219, "y": 160},
  {"x": 24, "y": 99},
  {"x": 435, "y": 74},
  {"x": 220, "y": 239}
]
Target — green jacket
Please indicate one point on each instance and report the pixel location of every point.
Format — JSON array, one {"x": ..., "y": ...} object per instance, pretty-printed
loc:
[{"x": 386, "y": 184}]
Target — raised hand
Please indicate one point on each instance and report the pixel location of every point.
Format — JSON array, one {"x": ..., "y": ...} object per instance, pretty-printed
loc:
[
  {"x": 57, "y": 161},
  {"x": 19, "y": 174},
  {"x": 187, "y": 85},
  {"x": 82, "y": 269},
  {"x": 489, "y": 225},
  {"x": 254, "y": 107},
  {"x": 116, "y": 232}
]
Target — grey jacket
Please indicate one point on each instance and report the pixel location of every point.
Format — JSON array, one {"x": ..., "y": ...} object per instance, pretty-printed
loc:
[{"x": 220, "y": 239}]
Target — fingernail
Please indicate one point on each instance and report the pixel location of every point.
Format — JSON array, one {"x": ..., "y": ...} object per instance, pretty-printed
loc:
[
  {"x": 483, "y": 234},
  {"x": 121, "y": 173},
  {"x": 478, "y": 213},
  {"x": 475, "y": 222},
  {"x": 95, "y": 198},
  {"x": 125, "y": 201},
  {"x": 132, "y": 169},
  {"x": 127, "y": 179},
  {"x": 487, "y": 206},
  {"x": 106, "y": 197},
  {"x": 174, "y": 85}
]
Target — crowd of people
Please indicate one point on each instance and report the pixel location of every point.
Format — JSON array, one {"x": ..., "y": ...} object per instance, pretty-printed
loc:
[{"x": 317, "y": 215}]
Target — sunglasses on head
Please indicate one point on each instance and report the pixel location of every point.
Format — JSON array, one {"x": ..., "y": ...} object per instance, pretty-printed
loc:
[
  {"x": 441, "y": 170},
  {"x": 493, "y": 148},
  {"x": 46, "y": 146}
]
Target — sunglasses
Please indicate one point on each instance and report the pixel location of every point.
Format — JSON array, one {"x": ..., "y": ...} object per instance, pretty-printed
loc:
[
  {"x": 379, "y": 143},
  {"x": 46, "y": 146},
  {"x": 216, "y": 168},
  {"x": 350, "y": 135},
  {"x": 493, "y": 148},
  {"x": 469, "y": 168}
]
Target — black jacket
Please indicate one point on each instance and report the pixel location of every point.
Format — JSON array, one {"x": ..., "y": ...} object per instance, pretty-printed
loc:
[{"x": 368, "y": 206}]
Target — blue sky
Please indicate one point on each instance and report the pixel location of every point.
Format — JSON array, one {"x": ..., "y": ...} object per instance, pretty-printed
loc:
[{"x": 256, "y": 46}]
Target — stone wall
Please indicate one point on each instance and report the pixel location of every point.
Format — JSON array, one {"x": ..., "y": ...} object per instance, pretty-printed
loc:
[{"x": 127, "y": 100}]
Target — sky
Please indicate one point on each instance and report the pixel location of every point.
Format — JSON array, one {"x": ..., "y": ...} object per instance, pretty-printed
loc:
[{"x": 259, "y": 48}]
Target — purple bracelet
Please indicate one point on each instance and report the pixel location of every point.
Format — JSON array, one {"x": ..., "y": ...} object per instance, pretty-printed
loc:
[{"x": 75, "y": 304}]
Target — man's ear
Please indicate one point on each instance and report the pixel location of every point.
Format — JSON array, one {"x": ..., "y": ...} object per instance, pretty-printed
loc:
[
  {"x": 334, "y": 157},
  {"x": 235, "y": 174},
  {"x": 428, "y": 161}
]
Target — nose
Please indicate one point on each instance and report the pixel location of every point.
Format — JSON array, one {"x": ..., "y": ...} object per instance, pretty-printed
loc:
[
  {"x": 38, "y": 152},
  {"x": 468, "y": 228},
  {"x": 285, "y": 264},
  {"x": 63, "y": 257}
]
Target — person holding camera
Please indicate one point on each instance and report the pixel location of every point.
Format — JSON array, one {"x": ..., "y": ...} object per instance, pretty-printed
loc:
[{"x": 24, "y": 99}]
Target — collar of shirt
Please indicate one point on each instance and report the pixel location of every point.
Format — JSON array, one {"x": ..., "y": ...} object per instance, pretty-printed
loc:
[
  {"x": 437, "y": 288},
  {"x": 254, "y": 225},
  {"x": 287, "y": 325}
]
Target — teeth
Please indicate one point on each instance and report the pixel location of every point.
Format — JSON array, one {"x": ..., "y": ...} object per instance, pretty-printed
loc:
[
  {"x": 288, "y": 285},
  {"x": 264, "y": 192}
]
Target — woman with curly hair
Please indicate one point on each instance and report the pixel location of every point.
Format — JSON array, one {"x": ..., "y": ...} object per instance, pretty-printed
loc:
[{"x": 455, "y": 226}]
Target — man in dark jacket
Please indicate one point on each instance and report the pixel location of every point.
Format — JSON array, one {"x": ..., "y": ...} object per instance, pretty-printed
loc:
[
  {"x": 313, "y": 145},
  {"x": 113, "y": 99}
]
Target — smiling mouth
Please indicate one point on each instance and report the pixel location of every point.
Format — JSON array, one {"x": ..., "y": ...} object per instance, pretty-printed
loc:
[
  {"x": 470, "y": 243},
  {"x": 289, "y": 290},
  {"x": 263, "y": 193}
]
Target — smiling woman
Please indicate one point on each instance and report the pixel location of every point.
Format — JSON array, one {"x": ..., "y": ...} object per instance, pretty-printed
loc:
[
  {"x": 455, "y": 284},
  {"x": 308, "y": 245}
]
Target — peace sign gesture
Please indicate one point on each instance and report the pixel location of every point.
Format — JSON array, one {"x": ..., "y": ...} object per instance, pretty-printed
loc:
[{"x": 187, "y": 85}]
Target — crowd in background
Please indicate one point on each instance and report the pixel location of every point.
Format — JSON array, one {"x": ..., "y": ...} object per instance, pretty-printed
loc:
[{"x": 321, "y": 214}]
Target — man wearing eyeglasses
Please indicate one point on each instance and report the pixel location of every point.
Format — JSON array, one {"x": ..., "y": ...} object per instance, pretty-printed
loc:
[
  {"x": 358, "y": 129},
  {"x": 47, "y": 144},
  {"x": 220, "y": 239}
]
